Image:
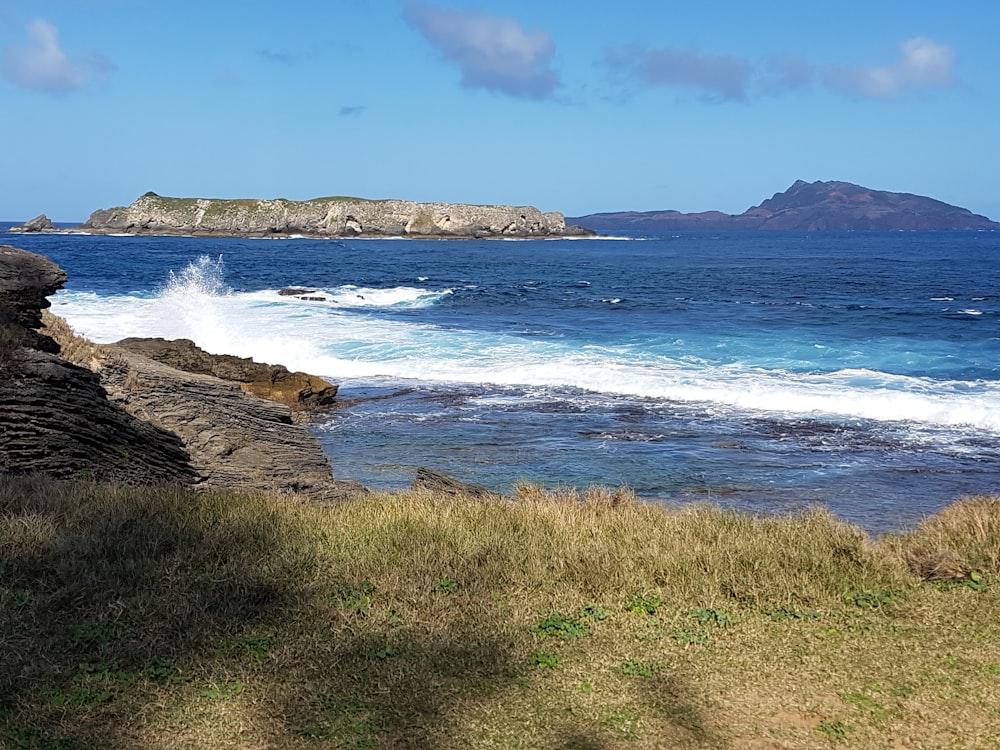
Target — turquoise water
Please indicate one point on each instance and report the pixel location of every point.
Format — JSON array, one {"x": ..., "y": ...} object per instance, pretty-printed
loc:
[{"x": 765, "y": 371}]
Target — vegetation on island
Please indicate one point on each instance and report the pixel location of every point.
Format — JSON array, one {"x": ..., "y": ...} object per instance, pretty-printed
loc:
[{"x": 162, "y": 617}]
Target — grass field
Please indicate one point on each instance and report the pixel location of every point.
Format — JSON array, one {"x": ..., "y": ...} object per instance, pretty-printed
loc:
[{"x": 163, "y": 618}]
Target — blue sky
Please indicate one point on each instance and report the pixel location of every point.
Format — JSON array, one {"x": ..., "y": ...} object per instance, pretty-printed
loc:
[{"x": 568, "y": 106}]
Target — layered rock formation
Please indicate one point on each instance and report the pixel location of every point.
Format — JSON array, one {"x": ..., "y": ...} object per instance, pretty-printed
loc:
[
  {"x": 40, "y": 223},
  {"x": 816, "y": 206},
  {"x": 55, "y": 417},
  {"x": 325, "y": 217},
  {"x": 114, "y": 413},
  {"x": 296, "y": 390}
]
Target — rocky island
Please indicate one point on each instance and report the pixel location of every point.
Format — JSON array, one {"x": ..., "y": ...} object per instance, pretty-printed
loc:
[
  {"x": 325, "y": 217},
  {"x": 808, "y": 207}
]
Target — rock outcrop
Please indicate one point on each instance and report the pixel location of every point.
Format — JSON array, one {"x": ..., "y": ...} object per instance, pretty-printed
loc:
[
  {"x": 296, "y": 390},
  {"x": 73, "y": 409},
  {"x": 325, "y": 217},
  {"x": 816, "y": 206},
  {"x": 40, "y": 223},
  {"x": 55, "y": 417},
  {"x": 26, "y": 280},
  {"x": 442, "y": 484},
  {"x": 233, "y": 437}
]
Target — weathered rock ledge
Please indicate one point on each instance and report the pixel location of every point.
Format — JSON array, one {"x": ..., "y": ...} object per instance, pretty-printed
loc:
[
  {"x": 298, "y": 391},
  {"x": 325, "y": 217}
]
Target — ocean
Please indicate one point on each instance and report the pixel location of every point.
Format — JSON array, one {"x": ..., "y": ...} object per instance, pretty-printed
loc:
[{"x": 760, "y": 371}]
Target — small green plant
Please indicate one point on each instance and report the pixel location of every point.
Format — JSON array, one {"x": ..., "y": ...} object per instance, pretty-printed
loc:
[
  {"x": 223, "y": 691},
  {"x": 593, "y": 612},
  {"x": 561, "y": 626},
  {"x": 975, "y": 581},
  {"x": 80, "y": 695},
  {"x": 158, "y": 671},
  {"x": 99, "y": 633},
  {"x": 356, "y": 599},
  {"x": 872, "y": 598},
  {"x": 714, "y": 616},
  {"x": 688, "y": 637},
  {"x": 625, "y": 723},
  {"x": 255, "y": 647},
  {"x": 835, "y": 730},
  {"x": 446, "y": 586},
  {"x": 381, "y": 654},
  {"x": 350, "y": 726},
  {"x": 865, "y": 702},
  {"x": 637, "y": 668},
  {"x": 546, "y": 660},
  {"x": 644, "y": 604}
]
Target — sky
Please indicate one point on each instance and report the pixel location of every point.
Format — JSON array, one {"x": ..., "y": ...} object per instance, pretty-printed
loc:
[{"x": 578, "y": 107}]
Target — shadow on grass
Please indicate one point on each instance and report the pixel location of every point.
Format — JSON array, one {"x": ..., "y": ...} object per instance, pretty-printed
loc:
[{"x": 132, "y": 617}]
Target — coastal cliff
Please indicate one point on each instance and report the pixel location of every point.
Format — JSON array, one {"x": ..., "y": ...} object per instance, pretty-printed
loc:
[{"x": 325, "y": 217}]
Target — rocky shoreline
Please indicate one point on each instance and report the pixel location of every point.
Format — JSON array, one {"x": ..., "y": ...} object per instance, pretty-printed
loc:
[
  {"x": 147, "y": 411},
  {"x": 151, "y": 214},
  {"x": 152, "y": 411}
]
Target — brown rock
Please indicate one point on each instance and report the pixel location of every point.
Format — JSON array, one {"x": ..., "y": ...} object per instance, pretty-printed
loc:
[
  {"x": 433, "y": 481},
  {"x": 234, "y": 438},
  {"x": 296, "y": 390}
]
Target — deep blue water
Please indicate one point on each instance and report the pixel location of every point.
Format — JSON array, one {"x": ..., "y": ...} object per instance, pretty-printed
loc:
[{"x": 765, "y": 371}]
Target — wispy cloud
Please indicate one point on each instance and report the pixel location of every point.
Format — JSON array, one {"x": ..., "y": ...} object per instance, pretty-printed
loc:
[
  {"x": 281, "y": 58},
  {"x": 39, "y": 63},
  {"x": 923, "y": 64},
  {"x": 716, "y": 76},
  {"x": 493, "y": 52}
]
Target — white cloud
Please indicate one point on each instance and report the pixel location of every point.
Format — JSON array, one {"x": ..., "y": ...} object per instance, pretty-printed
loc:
[
  {"x": 922, "y": 64},
  {"x": 493, "y": 52},
  {"x": 40, "y": 64},
  {"x": 719, "y": 76}
]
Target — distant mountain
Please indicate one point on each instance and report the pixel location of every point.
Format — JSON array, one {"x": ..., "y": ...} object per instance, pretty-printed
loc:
[{"x": 816, "y": 206}]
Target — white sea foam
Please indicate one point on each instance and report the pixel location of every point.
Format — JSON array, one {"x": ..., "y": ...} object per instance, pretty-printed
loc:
[{"x": 337, "y": 341}]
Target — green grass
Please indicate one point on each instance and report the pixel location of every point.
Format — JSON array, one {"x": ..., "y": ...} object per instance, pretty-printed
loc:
[{"x": 134, "y": 618}]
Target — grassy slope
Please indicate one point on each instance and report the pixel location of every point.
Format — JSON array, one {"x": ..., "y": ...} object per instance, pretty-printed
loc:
[{"x": 159, "y": 618}]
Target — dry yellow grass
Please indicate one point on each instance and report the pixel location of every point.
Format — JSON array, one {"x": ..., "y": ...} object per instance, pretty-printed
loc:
[{"x": 136, "y": 618}]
